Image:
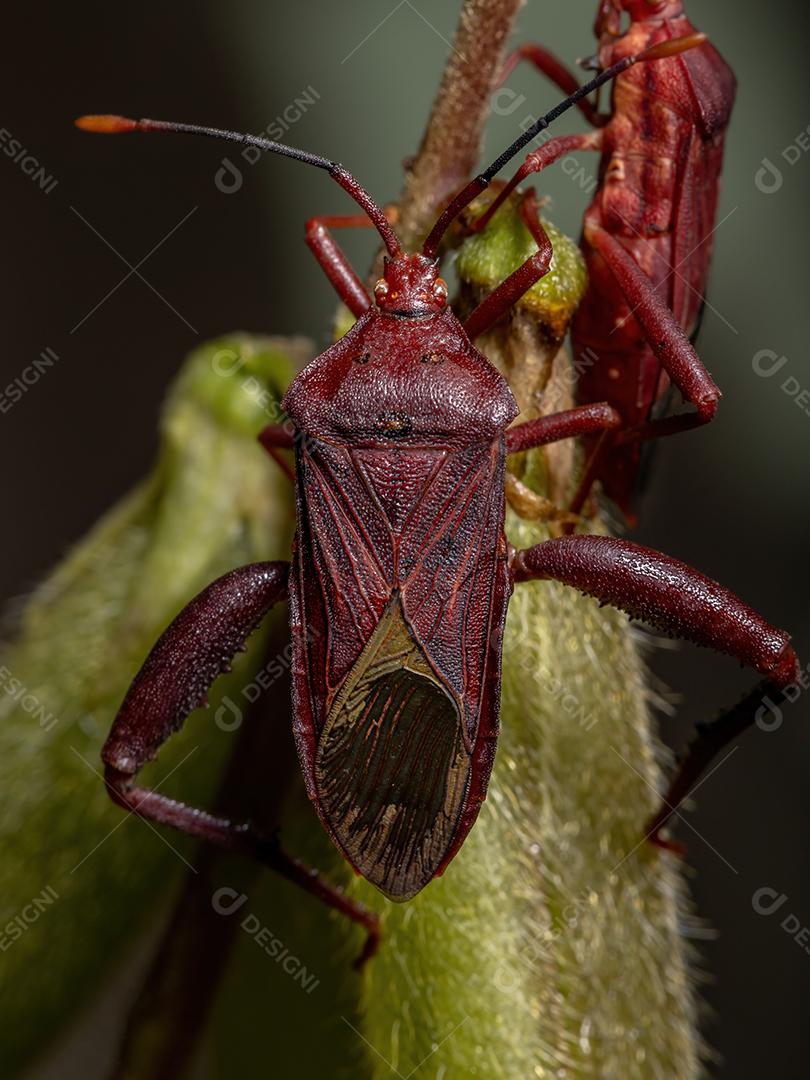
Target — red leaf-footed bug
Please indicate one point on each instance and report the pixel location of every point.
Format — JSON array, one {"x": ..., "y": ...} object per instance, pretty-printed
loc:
[
  {"x": 647, "y": 234},
  {"x": 401, "y": 571}
]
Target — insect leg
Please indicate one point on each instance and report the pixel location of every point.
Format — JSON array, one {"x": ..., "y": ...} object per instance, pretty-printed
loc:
[
  {"x": 584, "y": 420},
  {"x": 311, "y": 881},
  {"x": 710, "y": 740},
  {"x": 670, "y": 595},
  {"x": 174, "y": 679},
  {"x": 665, "y": 335},
  {"x": 334, "y": 263},
  {"x": 276, "y": 437},
  {"x": 669, "y": 343},
  {"x": 555, "y": 71},
  {"x": 535, "y": 162},
  {"x": 673, "y": 597},
  {"x": 658, "y": 429},
  {"x": 496, "y": 305},
  {"x": 533, "y": 507}
]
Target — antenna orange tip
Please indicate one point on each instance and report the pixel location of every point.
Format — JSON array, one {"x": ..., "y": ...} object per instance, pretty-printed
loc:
[
  {"x": 674, "y": 46},
  {"x": 106, "y": 125}
]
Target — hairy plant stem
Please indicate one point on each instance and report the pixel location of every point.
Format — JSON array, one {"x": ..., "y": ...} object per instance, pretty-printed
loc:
[{"x": 452, "y": 139}]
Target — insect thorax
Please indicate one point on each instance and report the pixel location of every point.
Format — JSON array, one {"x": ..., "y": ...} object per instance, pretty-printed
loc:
[{"x": 415, "y": 380}]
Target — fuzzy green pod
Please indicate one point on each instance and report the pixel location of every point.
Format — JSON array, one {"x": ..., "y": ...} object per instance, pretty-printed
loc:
[{"x": 78, "y": 875}]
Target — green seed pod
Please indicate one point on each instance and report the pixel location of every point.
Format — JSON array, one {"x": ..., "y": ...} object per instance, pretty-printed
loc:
[
  {"x": 487, "y": 258},
  {"x": 526, "y": 346},
  {"x": 76, "y": 874}
]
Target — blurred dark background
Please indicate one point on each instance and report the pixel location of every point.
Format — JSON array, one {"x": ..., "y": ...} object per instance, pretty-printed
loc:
[{"x": 732, "y": 499}]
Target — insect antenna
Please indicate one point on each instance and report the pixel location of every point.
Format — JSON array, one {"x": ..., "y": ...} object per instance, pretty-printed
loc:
[
  {"x": 113, "y": 125},
  {"x": 476, "y": 186}
]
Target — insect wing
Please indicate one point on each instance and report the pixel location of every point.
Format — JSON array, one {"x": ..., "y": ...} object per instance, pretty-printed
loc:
[{"x": 401, "y": 584}]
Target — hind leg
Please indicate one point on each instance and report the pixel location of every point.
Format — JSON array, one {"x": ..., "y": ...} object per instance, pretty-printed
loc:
[
  {"x": 174, "y": 679},
  {"x": 682, "y": 602}
]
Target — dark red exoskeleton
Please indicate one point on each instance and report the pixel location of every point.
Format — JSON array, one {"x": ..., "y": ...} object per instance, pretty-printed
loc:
[
  {"x": 401, "y": 572},
  {"x": 647, "y": 235}
]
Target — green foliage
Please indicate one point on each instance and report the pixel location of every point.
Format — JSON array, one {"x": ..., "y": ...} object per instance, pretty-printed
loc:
[
  {"x": 76, "y": 875},
  {"x": 487, "y": 258}
]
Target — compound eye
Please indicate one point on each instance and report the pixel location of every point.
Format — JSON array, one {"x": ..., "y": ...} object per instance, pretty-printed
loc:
[
  {"x": 381, "y": 289},
  {"x": 440, "y": 289}
]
